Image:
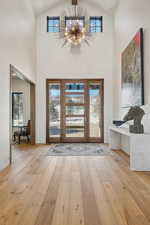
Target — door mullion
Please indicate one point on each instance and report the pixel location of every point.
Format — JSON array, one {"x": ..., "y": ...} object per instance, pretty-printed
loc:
[
  {"x": 86, "y": 96},
  {"x": 62, "y": 111}
]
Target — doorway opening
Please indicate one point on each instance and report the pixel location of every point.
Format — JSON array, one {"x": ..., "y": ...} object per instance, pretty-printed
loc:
[
  {"x": 75, "y": 111},
  {"x": 22, "y": 110}
]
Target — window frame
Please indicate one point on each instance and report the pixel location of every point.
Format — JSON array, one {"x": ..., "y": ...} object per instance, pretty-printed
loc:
[
  {"x": 95, "y": 27},
  {"x": 53, "y": 18}
]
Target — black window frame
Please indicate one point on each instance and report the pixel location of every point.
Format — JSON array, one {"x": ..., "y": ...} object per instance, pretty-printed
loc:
[
  {"x": 53, "y": 18},
  {"x": 101, "y": 24}
]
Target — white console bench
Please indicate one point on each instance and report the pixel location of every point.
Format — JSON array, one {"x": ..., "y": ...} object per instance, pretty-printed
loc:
[{"x": 137, "y": 146}]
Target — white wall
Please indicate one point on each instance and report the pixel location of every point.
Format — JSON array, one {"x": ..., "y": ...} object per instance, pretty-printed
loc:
[
  {"x": 53, "y": 61},
  {"x": 19, "y": 85},
  {"x": 17, "y": 25},
  {"x": 130, "y": 16}
]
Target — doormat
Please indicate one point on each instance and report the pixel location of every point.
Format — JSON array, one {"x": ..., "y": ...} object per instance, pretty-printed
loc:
[{"x": 79, "y": 149}]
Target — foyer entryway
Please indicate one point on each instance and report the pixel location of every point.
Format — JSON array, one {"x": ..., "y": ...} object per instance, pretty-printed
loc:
[{"x": 75, "y": 111}]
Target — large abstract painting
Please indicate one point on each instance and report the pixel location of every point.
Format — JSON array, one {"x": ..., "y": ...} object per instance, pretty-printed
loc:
[{"x": 133, "y": 72}]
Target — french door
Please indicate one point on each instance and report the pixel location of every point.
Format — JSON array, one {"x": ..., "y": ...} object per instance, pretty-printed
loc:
[{"x": 75, "y": 111}]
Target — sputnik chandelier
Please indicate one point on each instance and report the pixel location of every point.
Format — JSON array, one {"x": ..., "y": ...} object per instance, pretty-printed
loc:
[
  {"x": 74, "y": 33},
  {"x": 74, "y": 26}
]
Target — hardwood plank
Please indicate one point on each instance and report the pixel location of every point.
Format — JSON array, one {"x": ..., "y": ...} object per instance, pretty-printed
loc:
[
  {"x": 76, "y": 211},
  {"x": 61, "y": 212},
  {"x": 46, "y": 211},
  {"x": 91, "y": 215}
]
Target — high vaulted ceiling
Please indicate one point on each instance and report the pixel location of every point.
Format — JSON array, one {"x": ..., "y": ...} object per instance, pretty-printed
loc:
[{"x": 41, "y": 6}]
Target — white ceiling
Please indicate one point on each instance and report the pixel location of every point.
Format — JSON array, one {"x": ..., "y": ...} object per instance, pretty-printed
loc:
[{"x": 41, "y": 6}]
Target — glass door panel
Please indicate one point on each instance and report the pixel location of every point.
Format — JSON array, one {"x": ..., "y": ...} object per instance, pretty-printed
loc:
[
  {"x": 95, "y": 109},
  {"x": 75, "y": 132},
  {"x": 74, "y": 118},
  {"x": 75, "y": 127},
  {"x": 54, "y": 110},
  {"x": 75, "y": 121},
  {"x": 76, "y": 99},
  {"x": 75, "y": 110}
]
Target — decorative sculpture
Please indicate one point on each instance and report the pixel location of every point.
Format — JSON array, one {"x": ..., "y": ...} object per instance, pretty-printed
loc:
[{"x": 135, "y": 113}]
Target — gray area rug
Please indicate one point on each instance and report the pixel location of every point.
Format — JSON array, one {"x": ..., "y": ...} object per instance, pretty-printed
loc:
[{"x": 79, "y": 149}]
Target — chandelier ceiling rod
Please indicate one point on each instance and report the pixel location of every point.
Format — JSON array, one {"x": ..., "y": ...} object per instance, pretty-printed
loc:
[{"x": 75, "y": 2}]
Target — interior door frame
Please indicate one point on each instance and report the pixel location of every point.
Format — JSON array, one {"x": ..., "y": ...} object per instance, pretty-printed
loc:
[
  {"x": 32, "y": 108},
  {"x": 66, "y": 140}
]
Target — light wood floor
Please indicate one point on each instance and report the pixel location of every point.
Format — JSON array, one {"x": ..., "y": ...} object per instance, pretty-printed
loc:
[{"x": 41, "y": 190}]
